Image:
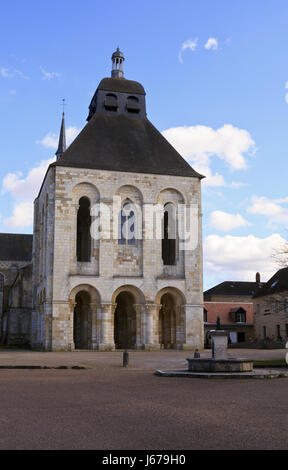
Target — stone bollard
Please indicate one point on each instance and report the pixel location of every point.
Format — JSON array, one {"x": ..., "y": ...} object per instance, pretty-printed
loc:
[{"x": 125, "y": 358}]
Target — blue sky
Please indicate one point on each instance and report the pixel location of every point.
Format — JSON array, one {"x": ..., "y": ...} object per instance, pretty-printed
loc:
[{"x": 223, "y": 106}]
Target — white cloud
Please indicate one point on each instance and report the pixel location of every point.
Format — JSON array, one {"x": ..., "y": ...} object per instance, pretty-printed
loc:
[
  {"x": 22, "y": 216},
  {"x": 212, "y": 43},
  {"x": 197, "y": 144},
  {"x": 286, "y": 96},
  {"x": 211, "y": 180},
  {"x": 7, "y": 73},
  {"x": 225, "y": 222},
  {"x": 239, "y": 258},
  {"x": 270, "y": 208},
  {"x": 189, "y": 44},
  {"x": 50, "y": 140},
  {"x": 23, "y": 190},
  {"x": 49, "y": 75}
]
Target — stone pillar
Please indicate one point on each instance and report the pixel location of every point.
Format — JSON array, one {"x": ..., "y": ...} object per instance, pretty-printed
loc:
[
  {"x": 71, "y": 345},
  {"x": 194, "y": 327},
  {"x": 107, "y": 327},
  {"x": 152, "y": 327},
  {"x": 94, "y": 341},
  {"x": 179, "y": 314},
  {"x": 140, "y": 325},
  {"x": 219, "y": 344}
]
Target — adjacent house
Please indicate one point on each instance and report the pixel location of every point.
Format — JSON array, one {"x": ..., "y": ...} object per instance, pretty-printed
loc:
[{"x": 232, "y": 302}]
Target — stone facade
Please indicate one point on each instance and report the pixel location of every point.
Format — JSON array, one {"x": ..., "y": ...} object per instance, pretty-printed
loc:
[
  {"x": 271, "y": 317},
  {"x": 114, "y": 268},
  {"x": 92, "y": 287}
]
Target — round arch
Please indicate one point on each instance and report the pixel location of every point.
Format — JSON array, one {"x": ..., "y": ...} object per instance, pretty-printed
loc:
[
  {"x": 172, "y": 195},
  {"x": 92, "y": 291},
  {"x": 135, "y": 291},
  {"x": 178, "y": 296}
]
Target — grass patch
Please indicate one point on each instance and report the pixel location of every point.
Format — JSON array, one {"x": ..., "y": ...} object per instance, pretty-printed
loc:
[{"x": 277, "y": 363}]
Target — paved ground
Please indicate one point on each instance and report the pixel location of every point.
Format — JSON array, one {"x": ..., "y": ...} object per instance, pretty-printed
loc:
[
  {"x": 109, "y": 407},
  {"x": 138, "y": 359},
  {"x": 133, "y": 409}
]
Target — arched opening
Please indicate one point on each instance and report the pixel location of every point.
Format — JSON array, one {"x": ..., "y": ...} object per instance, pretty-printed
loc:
[
  {"x": 167, "y": 322},
  {"x": 132, "y": 104},
  {"x": 126, "y": 224},
  {"x": 169, "y": 236},
  {"x": 82, "y": 321},
  {"x": 83, "y": 230},
  {"x": 111, "y": 102},
  {"x": 125, "y": 321}
]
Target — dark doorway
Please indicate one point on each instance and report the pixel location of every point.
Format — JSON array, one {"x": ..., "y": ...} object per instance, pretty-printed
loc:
[{"x": 125, "y": 322}]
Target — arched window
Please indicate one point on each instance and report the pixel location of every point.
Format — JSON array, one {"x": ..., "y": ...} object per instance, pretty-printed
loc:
[
  {"x": 111, "y": 102},
  {"x": 132, "y": 104},
  {"x": 83, "y": 230},
  {"x": 127, "y": 229},
  {"x": 169, "y": 235}
]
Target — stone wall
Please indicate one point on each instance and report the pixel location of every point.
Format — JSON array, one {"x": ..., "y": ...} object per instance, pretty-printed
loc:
[
  {"x": 114, "y": 268},
  {"x": 269, "y": 312}
]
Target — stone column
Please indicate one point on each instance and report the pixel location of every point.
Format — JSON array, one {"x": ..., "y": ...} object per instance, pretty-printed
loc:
[
  {"x": 107, "y": 327},
  {"x": 140, "y": 325},
  {"x": 179, "y": 326},
  {"x": 194, "y": 327},
  {"x": 71, "y": 345},
  {"x": 152, "y": 327},
  {"x": 94, "y": 326}
]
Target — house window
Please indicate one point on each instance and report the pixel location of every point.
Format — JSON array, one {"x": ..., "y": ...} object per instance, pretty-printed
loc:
[
  {"x": 83, "y": 230},
  {"x": 264, "y": 332},
  {"x": 241, "y": 317},
  {"x": 278, "y": 332},
  {"x": 205, "y": 316}
]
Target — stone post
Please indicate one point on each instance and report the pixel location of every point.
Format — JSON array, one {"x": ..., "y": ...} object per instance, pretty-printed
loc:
[
  {"x": 194, "y": 327},
  {"x": 107, "y": 327},
  {"x": 219, "y": 345}
]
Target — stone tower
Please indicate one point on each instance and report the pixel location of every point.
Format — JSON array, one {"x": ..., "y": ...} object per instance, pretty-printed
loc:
[{"x": 103, "y": 276}]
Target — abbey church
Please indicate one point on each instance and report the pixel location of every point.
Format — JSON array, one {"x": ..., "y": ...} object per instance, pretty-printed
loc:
[{"x": 92, "y": 276}]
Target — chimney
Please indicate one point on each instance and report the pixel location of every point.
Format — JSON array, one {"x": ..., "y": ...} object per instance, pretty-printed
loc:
[{"x": 258, "y": 279}]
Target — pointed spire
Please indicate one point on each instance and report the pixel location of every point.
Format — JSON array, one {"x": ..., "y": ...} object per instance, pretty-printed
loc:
[{"x": 62, "y": 139}]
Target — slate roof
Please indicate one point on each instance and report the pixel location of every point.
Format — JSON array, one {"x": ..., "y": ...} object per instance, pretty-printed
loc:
[
  {"x": 15, "y": 247},
  {"x": 121, "y": 85},
  {"x": 277, "y": 283},
  {"x": 234, "y": 288},
  {"x": 122, "y": 143}
]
